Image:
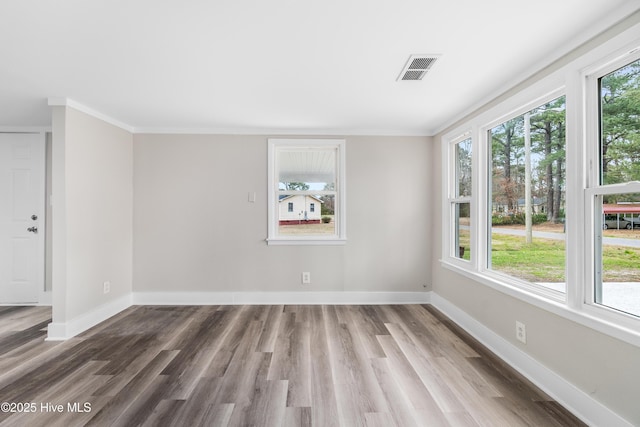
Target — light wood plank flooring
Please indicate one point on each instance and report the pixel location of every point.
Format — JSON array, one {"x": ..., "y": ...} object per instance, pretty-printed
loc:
[{"x": 393, "y": 365}]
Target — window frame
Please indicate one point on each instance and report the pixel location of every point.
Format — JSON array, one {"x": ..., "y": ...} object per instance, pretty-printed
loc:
[
  {"x": 454, "y": 199},
  {"x": 570, "y": 78},
  {"x": 480, "y": 193},
  {"x": 486, "y": 159},
  {"x": 594, "y": 189},
  {"x": 340, "y": 236}
]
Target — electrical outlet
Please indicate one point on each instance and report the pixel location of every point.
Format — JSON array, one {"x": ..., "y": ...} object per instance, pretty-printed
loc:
[
  {"x": 306, "y": 278},
  {"x": 106, "y": 287},
  {"x": 521, "y": 332}
]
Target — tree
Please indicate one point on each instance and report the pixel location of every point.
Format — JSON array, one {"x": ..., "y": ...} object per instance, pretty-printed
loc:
[
  {"x": 548, "y": 139},
  {"x": 560, "y": 171},
  {"x": 296, "y": 186},
  {"x": 620, "y": 124},
  {"x": 463, "y": 161},
  {"x": 506, "y": 141},
  {"x": 328, "y": 201}
]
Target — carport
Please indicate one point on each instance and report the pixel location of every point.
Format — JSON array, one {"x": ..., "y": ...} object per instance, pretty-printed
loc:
[{"x": 628, "y": 211}]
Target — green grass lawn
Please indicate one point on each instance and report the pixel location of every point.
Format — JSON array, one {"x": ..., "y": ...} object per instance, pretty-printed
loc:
[
  {"x": 544, "y": 260},
  {"x": 621, "y": 264},
  {"x": 541, "y": 261}
]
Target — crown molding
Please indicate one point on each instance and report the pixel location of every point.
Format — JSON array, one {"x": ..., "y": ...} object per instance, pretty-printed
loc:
[{"x": 67, "y": 102}]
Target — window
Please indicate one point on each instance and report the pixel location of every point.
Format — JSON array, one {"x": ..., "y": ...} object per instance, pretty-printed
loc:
[
  {"x": 616, "y": 196},
  {"x": 542, "y": 194},
  {"x": 460, "y": 198},
  {"x": 306, "y": 173},
  {"x": 527, "y": 197}
]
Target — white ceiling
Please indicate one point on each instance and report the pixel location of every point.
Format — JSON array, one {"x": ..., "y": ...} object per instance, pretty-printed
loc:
[
  {"x": 279, "y": 66},
  {"x": 310, "y": 166}
]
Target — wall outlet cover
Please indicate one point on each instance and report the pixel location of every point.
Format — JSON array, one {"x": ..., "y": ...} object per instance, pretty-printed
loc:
[{"x": 521, "y": 332}]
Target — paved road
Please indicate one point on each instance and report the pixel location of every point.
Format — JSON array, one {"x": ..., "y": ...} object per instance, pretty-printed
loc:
[{"x": 617, "y": 241}]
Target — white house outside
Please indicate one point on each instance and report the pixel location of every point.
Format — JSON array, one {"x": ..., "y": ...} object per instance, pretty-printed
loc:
[
  {"x": 538, "y": 205},
  {"x": 296, "y": 209}
]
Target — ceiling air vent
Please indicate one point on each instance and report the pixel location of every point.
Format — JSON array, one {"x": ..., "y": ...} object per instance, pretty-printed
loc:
[{"x": 417, "y": 66}]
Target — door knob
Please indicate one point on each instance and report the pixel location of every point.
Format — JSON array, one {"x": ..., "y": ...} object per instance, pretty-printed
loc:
[
  {"x": 32, "y": 229},
  {"x": 34, "y": 217}
]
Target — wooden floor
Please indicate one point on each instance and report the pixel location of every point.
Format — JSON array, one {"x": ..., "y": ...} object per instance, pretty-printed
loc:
[{"x": 402, "y": 365}]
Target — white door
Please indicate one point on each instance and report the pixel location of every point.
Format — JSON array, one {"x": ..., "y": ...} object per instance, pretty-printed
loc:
[{"x": 22, "y": 188}]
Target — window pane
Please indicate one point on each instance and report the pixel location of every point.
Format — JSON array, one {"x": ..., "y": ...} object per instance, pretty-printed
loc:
[
  {"x": 462, "y": 222},
  {"x": 463, "y": 168},
  {"x": 618, "y": 282},
  {"x": 305, "y": 218},
  {"x": 528, "y": 196},
  {"x": 301, "y": 169},
  {"x": 305, "y": 199},
  {"x": 306, "y": 169},
  {"x": 620, "y": 125}
]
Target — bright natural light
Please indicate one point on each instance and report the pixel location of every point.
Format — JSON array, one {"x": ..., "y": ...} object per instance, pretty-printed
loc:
[
  {"x": 528, "y": 196},
  {"x": 618, "y": 276}
]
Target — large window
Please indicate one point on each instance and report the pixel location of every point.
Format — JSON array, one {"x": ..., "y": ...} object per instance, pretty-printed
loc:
[
  {"x": 542, "y": 193},
  {"x": 527, "y": 196},
  {"x": 305, "y": 175},
  {"x": 616, "y": 197}
]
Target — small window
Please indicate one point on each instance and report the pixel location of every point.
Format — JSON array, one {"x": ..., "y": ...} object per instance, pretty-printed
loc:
[
  {"x": 306, "y": 173},
  {"x": 459, "y": 157},
  {"x": 460, "y": 198}
]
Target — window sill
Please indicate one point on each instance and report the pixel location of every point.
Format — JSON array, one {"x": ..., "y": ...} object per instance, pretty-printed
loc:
[
  {"x": 585, "y": 316},
  {"x": 306, "y": 241}
]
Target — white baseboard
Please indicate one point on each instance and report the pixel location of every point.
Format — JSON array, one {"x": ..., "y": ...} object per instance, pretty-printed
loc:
[
  {"x": 62, "y": 331},
  {"x": 575, "y": 400},
  {"x": 256, "y": 298}
]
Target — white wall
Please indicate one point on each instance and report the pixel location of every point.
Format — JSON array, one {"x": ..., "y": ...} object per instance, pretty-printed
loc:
[
  {"x": 605, "y": 368},
  {"x": 92, "y": 213},
  {"x": 195, "y": 230}
]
